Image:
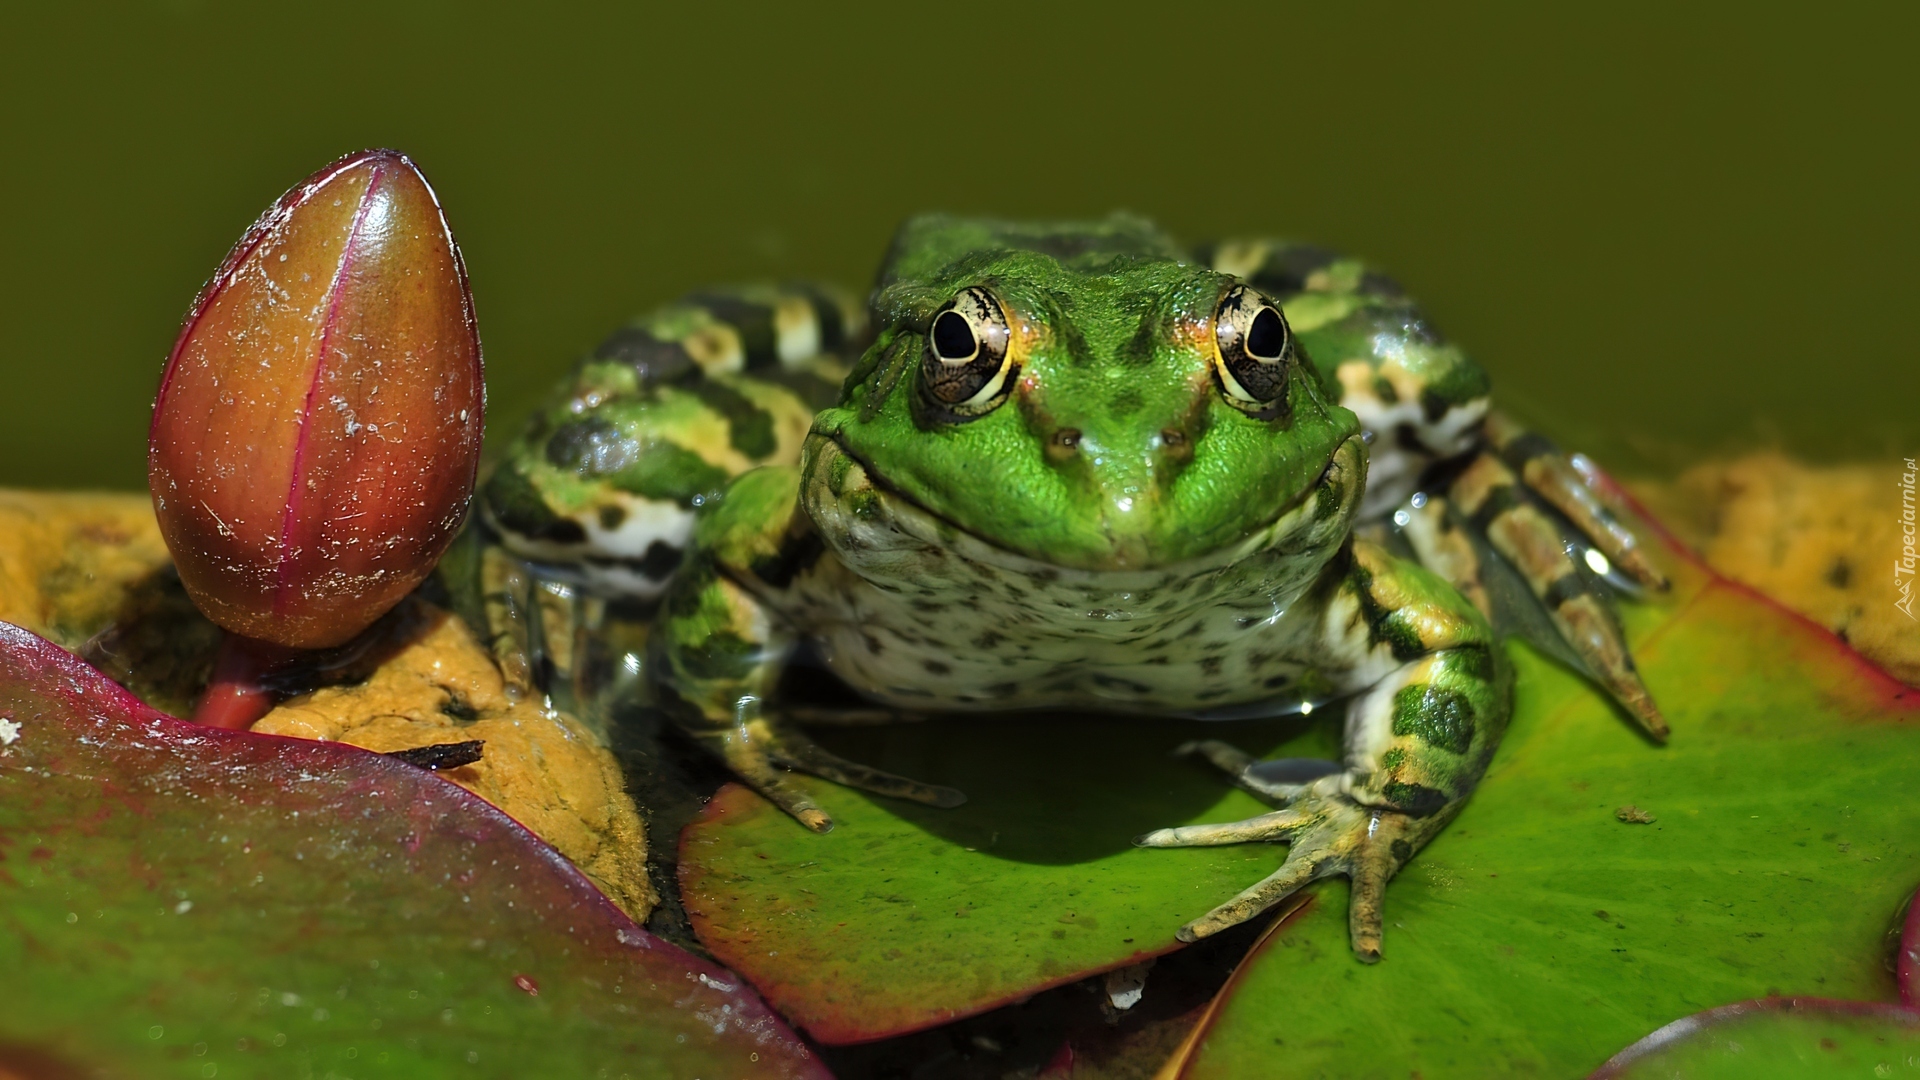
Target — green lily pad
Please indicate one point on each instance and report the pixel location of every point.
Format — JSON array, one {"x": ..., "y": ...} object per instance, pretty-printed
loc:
[
  {"x": 179, "y": 901},
  {"x": 907, "y": 916},
  {"x": 1549, "y": 926},
  {"x": 1789, "y": 1037}
]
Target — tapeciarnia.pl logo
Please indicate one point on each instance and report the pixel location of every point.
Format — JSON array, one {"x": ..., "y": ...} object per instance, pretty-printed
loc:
[{"x": 1903, "y": 566}]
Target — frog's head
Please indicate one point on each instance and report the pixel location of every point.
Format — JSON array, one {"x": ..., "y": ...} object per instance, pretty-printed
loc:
[{"x": 1086, "y": 397}]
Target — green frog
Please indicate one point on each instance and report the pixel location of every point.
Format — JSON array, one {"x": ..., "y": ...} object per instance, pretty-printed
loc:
[{"x": 1073, "y": 466}]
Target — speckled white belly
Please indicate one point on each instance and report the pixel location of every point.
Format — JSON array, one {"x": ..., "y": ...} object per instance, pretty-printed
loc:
[{"x": 914, "y": 613}]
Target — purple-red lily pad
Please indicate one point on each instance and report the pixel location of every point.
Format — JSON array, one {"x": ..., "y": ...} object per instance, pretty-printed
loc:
[{"x": 185, "y": 902}]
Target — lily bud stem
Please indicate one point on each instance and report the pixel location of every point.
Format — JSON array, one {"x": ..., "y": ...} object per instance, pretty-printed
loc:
[{"x": 238, "y": 694}]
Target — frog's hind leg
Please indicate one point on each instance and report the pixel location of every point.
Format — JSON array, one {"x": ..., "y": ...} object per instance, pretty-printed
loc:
[
  {"x": 759, "y": 750},
  {"x": 1424, "y": 403},
  {"x": 800, "y": 753},
  {"x": 1416, "y": 743},
  {"x": 1497, "y": 505},
  {"x": 1549, "y": 474}
]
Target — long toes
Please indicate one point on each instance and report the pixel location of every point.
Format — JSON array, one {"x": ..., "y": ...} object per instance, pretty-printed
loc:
[
  {"x": 1275, "y": 888},
  {"x": 1272, "y": 826},
  {"x": 753, "y": 767},
  {"x": 1364, "y": 907},
  {"x": 1290, "y": 773},
  {"x": 1590, "y": 627},
  {"x": 798, "y": 806},
  {"x": 809, "y": 758},
  {"x": 1281, "y": 778},
  {"x": 1224, "y": 756}
]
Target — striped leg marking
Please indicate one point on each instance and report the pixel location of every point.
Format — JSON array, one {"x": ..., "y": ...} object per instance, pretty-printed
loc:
[
  {"x": 1501, "y": 508},
  {"x": 1548, "y": 474}
]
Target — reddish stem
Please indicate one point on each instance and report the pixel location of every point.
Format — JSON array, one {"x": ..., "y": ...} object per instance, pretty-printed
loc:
[{"x": 237, "y": 695}]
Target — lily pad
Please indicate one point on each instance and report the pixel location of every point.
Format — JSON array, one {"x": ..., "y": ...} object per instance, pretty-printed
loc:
[
  {"x": 907, "y": 916},
  {"x": 1597, "y": 886},
  {"x": 180, "y": 901},
  {"x": 1788, "y": 1037},
  {"x": 1550, "y": 925}
]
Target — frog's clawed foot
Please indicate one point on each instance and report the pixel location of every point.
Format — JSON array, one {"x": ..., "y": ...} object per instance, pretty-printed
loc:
[
  {"x": 1327, "y": 832},
  {"x": 759, "y": 750}
]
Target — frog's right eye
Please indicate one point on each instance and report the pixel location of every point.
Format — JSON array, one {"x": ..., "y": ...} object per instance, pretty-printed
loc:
[{"x": 967, "y": 367}]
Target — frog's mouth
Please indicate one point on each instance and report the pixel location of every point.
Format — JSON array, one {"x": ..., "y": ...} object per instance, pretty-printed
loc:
[{"x": 1309, "y": 524}]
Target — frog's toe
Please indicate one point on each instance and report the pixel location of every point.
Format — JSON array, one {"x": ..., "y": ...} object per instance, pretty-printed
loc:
[
  {"x": 1277, "y": 825},
  {"x": 762, "y": 777},
  {"x": 802, "y": 754},
  {"x": 1278, "y": 778},
  {"x": 1328, "y": 834},
  {"x": 1277, "y": 886}
]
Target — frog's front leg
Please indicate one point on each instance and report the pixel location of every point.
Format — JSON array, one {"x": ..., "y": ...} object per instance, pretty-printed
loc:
[
  {"x": 723, "y": 644},
  {"x": 1419, "y": 735}
]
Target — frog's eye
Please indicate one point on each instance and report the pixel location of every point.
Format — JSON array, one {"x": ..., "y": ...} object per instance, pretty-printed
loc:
[
  {"x": 966, "y": 370},
  {"x": 1255, "y": 350}
]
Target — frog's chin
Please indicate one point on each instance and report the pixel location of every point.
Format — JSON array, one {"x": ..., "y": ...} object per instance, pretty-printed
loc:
[{"x": 868, "y": 517}]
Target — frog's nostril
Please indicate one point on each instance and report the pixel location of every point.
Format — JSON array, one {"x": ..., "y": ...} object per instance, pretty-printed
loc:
[
  {"x": 1175, "y": 445},
  {"x": 1064, "y": 444}
]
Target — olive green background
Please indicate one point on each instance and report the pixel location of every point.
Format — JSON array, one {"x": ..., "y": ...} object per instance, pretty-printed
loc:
[{"x": 1664, "y": 234}]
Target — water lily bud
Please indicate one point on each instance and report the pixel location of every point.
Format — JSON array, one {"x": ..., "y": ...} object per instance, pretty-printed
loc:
[{"x": 318, "y": 427}]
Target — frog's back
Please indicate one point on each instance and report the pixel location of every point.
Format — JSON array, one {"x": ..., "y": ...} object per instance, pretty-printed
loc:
[
  {"x": 931, "y": 243},
  {"x": 602, "y": 485}
]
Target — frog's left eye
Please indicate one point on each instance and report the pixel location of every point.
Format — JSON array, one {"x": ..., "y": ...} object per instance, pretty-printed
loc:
[
  {"x": 1255, "y": 349},
  {"x": 967, "y": 367}
]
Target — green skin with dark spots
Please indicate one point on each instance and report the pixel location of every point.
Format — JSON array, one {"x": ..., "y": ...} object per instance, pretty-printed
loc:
[
  {"x": 1113, "y": 450},
  {"x": 1124, "y": 498},
  {"x": 949, "y": 553}
]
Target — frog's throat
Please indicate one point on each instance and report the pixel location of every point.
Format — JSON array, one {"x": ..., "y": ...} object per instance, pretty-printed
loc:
[{"x": 867, "y": 518}]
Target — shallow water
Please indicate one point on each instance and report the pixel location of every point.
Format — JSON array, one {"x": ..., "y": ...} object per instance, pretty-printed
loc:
[{"x": 1662, "y": 239}]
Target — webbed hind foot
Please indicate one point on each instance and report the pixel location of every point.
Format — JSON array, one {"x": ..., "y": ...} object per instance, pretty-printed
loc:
[{"x": 1327, "y": 834}]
